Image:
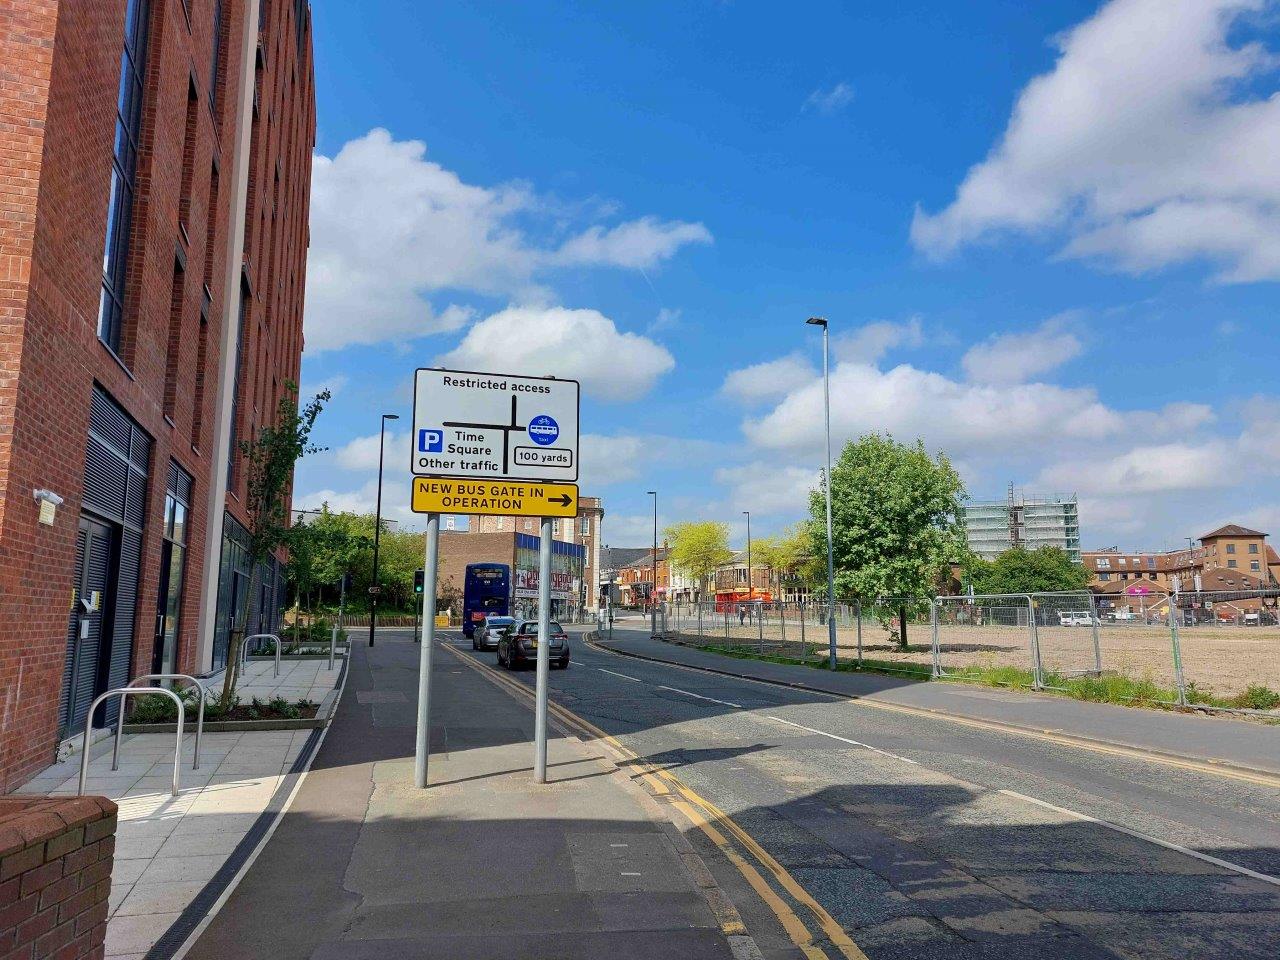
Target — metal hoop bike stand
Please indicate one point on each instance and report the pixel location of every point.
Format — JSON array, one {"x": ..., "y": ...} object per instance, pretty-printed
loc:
[
  {"x": 115, "y": 756},
  {"x": 244, "y": 648},
  {"x": 124, "y": 693}
]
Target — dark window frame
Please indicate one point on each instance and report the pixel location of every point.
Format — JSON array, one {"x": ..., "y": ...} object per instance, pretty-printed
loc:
[{"x": 124, "y": 173}]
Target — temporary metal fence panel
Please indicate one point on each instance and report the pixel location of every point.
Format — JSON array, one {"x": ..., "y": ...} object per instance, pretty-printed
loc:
[
  {"x": 986, "y": 634},
  {"x": 1068, "y": 635},
  {"x": 1229, "y": 648}
]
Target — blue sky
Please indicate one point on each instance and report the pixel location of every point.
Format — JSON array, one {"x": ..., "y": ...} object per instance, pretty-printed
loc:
[{"x": 1047, "y": 237}]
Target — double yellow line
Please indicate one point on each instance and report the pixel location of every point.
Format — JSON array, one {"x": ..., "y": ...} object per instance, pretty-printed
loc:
[{"x": 715, "y": 824}]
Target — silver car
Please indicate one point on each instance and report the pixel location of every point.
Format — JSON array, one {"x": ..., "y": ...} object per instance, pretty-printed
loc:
[{"x": 485, "y": 636}]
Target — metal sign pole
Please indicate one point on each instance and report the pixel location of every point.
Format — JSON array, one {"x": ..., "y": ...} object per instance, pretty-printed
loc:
[
  {"x": 544, "y": 653},
  {"x": 422, "y": 745}
]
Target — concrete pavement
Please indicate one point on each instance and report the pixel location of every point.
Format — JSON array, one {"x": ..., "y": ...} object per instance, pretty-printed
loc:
[{"x": 484, "y": 864}]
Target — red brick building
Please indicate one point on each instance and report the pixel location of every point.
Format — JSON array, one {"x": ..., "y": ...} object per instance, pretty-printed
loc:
[{"x": 154, "y": 176}]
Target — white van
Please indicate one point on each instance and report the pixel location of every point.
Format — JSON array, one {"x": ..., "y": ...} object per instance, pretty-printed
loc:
[{"x": 1075, "y": 618}]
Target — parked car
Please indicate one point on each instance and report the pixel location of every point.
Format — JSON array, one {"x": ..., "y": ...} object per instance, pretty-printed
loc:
[
  {"x": 1075, "y": 618},
  {"x": 490, "y": 630},
  {"x": 518, "y": 645}
]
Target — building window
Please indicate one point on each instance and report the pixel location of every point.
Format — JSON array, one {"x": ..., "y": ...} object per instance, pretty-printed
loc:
[
  {"x": 1104, "y": 577},
  {"x": 124, "y": 167},
  {"x": 585, "y": 526},
  {"x": 1124, "y": 561},
  {"x": 216, "y": 58},
  {"x": 177, "y": 506},
  {"x": 1231, "y": 548},
  {"x": 1231, "y": 564},
  {"x": 1253, "y": 548},
  {"x": 1104, "y": 563},
  {"x": 1255, "y": 566}
]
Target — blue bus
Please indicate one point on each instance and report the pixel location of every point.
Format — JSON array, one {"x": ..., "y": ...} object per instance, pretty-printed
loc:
[{"x": 486, "y": 592}]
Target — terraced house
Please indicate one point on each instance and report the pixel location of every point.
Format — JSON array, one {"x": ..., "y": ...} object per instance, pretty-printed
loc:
[{"x": 154, "y": 185}]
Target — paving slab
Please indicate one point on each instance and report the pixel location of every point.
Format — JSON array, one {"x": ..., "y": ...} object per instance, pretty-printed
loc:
[{"x": 484, "y": 863}]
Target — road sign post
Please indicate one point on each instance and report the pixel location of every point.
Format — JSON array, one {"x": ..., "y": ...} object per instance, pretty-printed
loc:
[
  {"x": 544, "y": 652},
  {"x": 488, "y": 444},
  {"x": 422, "y": 743}
]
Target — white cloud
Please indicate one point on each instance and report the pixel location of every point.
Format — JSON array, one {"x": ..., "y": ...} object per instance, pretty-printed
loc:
[
  {"x": 829, "y": 100},
  {"x": 909, "y": 402},
  {"x": 1151, "y": 142},
  {"x": 770, "y": 380},
  {"x": 640, "y": 244},
  {"x": 613, "y": 459},
  {"x": 1145, "y": 469},
  {"x": 871, "y": 342},
  {"x": 390, "y": 228},
  {"x": 1017, "y": 357},
  {"x": 766, "y": 488},
  {"x": 581, "y": 345},
  {"x": 361, "y": 453},
  {"x": 607, "y": 460}
]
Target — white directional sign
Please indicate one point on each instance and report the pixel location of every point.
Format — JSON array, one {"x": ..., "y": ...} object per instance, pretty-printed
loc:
[{"x": 494, "y": 426}]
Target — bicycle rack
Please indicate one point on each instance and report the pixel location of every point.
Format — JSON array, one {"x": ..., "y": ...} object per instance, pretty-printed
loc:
[
  {"x": 244, "y": 648},
  {"x": 124, "y": 693},
  {"x": 115, "y": 755}
]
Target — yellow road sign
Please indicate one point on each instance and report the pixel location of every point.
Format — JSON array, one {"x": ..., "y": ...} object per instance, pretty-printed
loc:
[{"x": 511, "y": 498}]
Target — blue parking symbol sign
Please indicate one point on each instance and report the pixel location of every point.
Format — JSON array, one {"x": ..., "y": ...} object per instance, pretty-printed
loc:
[
  {"x": 430, "y": 441},
  {"x": 543, "y": 430}
]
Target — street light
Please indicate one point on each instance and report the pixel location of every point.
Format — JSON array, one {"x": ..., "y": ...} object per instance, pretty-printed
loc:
[
  {"x": 654, "y": 598},
  {"x": 750, "y": 585},
  {"x": 831, "y": 562},
  {"x": 377, "y": 528}
]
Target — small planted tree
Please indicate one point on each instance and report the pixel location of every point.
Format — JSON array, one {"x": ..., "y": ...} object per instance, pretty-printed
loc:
[
  {"x": 698, "y": 548},
  {"x": 269, "y": 460},
  {"x": 897, "y": 524}
]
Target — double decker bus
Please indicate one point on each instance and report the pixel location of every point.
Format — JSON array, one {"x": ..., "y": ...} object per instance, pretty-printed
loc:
[{"x": 486, "y": 591}]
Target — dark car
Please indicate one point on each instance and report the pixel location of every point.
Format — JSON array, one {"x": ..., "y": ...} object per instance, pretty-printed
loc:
[
  {"x": 518, "y": 645},
  {"x": 487, "y": 633}
]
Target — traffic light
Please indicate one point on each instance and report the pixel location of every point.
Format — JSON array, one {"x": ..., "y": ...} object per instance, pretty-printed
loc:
[{"x": 419, "y": 578}]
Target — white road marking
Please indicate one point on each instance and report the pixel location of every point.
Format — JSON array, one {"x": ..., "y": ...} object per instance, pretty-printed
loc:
[
  {"x": 856, "y": 743},
  {"x": 1177, "y": 848},
  {"x": 617, "y": 844},
  {"x": 698, "y": 696},
  {"x": 631, "y": 874},
  {"x": 622, "y": 675}
]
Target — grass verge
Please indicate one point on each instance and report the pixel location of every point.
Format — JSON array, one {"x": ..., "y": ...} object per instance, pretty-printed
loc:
[{"x": 1108, "y": 688}]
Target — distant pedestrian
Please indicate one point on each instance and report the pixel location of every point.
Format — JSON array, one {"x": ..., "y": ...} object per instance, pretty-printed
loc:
[{"x": 742, "y": 615}]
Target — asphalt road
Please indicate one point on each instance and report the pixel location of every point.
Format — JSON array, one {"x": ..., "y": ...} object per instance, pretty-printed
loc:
[{"x": 927, "y": 839}]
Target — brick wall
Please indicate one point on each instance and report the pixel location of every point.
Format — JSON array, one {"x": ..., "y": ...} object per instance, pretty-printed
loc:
[
  {"x": 55, "y": 876},
  {"x": 459, "y": 548},
  {"x": 55, "y": 177}
]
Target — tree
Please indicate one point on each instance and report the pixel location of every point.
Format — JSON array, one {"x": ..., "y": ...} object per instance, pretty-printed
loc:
[
  {"x": 896, "y": 523},
  {"x": 270, "y": 458},
  {"x": 1044, "y": 570},
  {"x": 790, "y": 557},
  {"x": 698, "y": 548}
]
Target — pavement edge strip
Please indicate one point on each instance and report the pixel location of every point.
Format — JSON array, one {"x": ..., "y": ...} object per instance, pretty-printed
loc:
[
  {"x": 182, "y": 935},
  {"x": 1218, "y": 768},
  {"x": 707, "y": 817}
]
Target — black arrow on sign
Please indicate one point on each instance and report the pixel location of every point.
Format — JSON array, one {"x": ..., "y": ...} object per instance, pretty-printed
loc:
[{"x": 564, "y": 500}]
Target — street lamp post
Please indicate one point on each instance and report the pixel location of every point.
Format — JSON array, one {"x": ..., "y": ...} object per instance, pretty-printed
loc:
[
  {"x": 377, "y": 528},
  {"x": 653, "y": 599},
  {"x": 831, "y": 563}
]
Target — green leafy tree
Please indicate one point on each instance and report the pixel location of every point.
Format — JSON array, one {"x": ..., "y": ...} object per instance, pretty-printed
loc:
[
  {"x": 790, "y": 557},
  {"x": 896, "y": 522},
  {"x": 698, "y": 548},
  {"x": 1044, "y": 570},
  {"x": 270, "y": 458}
]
